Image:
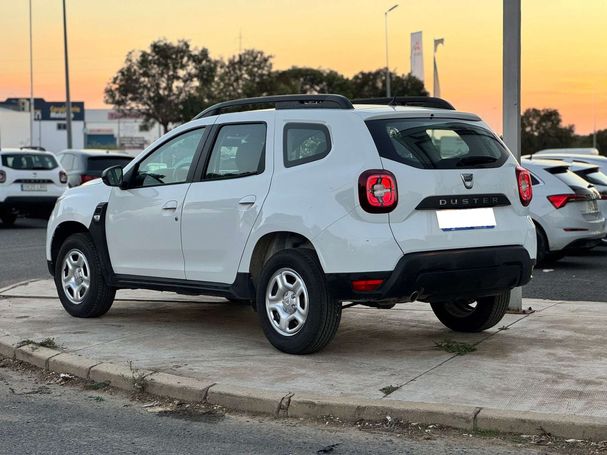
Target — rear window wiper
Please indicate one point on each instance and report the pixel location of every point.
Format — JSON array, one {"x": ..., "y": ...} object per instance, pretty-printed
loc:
[{"x": 475, "y": 159}]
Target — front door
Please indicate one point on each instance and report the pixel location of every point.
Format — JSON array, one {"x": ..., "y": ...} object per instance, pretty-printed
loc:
[
  {"x": 143, "y": 222},
  {"x": 220, "y": 209}
]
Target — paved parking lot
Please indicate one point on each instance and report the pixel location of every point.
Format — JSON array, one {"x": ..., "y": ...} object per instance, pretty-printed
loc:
[{"x": 579, "y": 277}]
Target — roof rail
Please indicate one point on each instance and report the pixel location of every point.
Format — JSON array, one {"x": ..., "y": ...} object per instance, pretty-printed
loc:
[
  {"x": 420, "y": 101},
  {"x": 282, "y": 102}
]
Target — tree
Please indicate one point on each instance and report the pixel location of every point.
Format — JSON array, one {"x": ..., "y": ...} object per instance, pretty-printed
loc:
[
  {"x": 543, "y": 128},
  {"x": 312, "y": 81},
  {"x": 163, "y": 82},
  {"x": 372, "y": 84},
  {"x": 245, "y": 75}
]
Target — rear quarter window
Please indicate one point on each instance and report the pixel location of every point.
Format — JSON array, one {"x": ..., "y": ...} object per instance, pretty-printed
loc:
[
  {"x": 437, "y": 144},
  {"x": 305, "y": 142}
]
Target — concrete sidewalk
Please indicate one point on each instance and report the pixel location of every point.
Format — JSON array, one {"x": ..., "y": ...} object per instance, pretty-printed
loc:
[{"x": 541, "y": 372}]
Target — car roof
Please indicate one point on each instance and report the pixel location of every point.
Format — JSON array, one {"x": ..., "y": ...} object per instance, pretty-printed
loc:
[
  {"x": 578, "y": 166},
  {"x": 97, "y": 152},
  {"x": 543, "y": 164},
  {"x": 372, "y": 111}
]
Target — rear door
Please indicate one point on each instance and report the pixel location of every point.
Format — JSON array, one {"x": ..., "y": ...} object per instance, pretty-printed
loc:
[
  {"x": 223, "y": 204},
  {"x": 456, "y": 184}
]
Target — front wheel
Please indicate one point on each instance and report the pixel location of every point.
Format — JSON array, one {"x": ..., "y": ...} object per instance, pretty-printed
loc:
[
  {"x": 79, "y": 280},
  {"x": 296, "y": 311},
  {"x": 472, "y": 316}
]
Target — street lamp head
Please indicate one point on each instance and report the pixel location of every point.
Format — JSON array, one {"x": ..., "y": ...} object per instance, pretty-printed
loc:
[{"x": 394, "y": 7}]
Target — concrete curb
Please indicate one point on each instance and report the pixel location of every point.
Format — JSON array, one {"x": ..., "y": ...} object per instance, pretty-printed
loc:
[{"x": 286, "y": 404}]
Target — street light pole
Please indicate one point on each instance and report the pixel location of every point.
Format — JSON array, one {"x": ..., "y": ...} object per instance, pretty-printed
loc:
[
  {"x": 68, "y": 103},
  {"x": 387, "y": 58},
  {"x": 31, "y": 82}
]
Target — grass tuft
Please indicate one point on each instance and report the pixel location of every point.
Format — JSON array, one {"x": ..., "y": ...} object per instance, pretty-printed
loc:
[{"x": 455, "y": 347}]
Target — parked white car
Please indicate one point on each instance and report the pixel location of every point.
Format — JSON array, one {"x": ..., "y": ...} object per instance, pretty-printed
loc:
[
  {"x": 302, "y": 207},
  {"x": 30, "y": 183},
  {"x": 564, "y": 209}
]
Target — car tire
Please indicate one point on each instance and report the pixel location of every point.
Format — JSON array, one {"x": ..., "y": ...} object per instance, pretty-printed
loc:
[
  {"x": 462, "y": 316},
  {"x": 8, "y": 219},
  {"x": 296, "y": 311},
  {"x": 542, "y": 245},
  {"x": 78, "y": 266}
]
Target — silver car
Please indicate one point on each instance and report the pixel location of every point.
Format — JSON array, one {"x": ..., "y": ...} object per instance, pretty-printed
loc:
[
  {"x": 564, "y": 209},
  {"x": 597, "y": 160}
]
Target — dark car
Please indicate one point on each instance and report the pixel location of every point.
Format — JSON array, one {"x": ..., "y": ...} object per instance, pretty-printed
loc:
[{"x": 88, "y": 164}]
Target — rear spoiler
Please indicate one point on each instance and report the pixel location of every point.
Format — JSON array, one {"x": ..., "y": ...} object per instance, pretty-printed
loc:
[{"x": 418, "y": 101}]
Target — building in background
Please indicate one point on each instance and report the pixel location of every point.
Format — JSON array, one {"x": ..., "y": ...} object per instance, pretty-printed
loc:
[
  {"x": 49, "y": 123},
  {"x": 106, "y": 128},
  {"x": 91, "y": 128}
]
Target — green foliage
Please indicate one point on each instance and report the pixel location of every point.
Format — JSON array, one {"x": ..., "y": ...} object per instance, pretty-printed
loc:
[
  {"x": 170, "y": 83},
  {"x": 160, "y": 83},
  {"x": 455, "y": 347},
  {"x": 543, "y": 128}
]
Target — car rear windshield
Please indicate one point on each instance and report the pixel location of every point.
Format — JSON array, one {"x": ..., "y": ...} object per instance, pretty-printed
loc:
[
  {"x": 593, "y": 176},
  {"x": 29, "y": 161},
  {"x": 101, "y": 163},
  {"x": 437, "y": 143},
  {"x": 568, "y": 177}
]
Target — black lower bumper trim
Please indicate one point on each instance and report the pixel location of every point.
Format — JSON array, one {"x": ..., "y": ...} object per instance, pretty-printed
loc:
[{"x": 443, "y": 275}]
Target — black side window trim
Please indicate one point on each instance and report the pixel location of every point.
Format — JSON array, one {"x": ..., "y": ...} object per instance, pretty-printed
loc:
[
  {"x": 133, "y": 171},
  {"x": 310, "y": 126},
  {"x": 200, "y": 175}
]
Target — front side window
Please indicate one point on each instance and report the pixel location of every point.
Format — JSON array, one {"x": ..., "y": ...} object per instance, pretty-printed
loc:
[
  {"x": 170, "y": 163},
  {"x": 437, "y": 143},
  {"x": 305, "y": 142},
  {"x": 238, "y": 151},
  {"x": 29, "y": 161}
]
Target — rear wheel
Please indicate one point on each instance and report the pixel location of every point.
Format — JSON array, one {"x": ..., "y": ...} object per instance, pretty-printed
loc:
[
  {"x": 296, "y": 311},
  {"x": 80, "y": 284},
  {"x": 472, "y": 316}
]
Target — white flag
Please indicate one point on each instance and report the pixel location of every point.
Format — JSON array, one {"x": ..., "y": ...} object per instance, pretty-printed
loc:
[{"x": 417, "y": 56}]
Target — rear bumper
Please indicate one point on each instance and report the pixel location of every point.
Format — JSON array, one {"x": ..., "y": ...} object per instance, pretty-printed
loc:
[
  {"x": 443, "y": 275},
  {"x": 32, "y": 205}
]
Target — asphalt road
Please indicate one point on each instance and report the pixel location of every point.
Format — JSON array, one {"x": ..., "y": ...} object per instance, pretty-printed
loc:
[
  {"x": 22, "y": 251},
  {"x": 40, "y": 416},
  {"x": 579, "y": 277}
]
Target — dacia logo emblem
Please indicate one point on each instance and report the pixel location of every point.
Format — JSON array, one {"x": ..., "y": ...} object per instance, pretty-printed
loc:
[{"x": 468, "y": 180}]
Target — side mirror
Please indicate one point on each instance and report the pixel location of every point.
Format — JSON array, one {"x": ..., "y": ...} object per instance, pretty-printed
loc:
[{"x": 112, "y": 176}]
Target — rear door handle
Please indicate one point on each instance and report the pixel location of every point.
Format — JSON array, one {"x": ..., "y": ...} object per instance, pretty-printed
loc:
[
  {"x": 247, "y": 200},
  {"x": 170, "y": 205}
]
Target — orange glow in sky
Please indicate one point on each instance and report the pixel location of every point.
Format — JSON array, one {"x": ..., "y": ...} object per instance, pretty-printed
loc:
[{"x": 564, "y": 44}]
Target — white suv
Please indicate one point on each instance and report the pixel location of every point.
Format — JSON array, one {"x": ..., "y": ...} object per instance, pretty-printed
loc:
[
  {"x": 302, "y": 206},
  {"x": 30, "y": 183}
]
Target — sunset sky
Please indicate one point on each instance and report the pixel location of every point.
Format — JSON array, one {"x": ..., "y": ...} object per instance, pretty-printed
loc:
[{"x": 564, "y": 44}]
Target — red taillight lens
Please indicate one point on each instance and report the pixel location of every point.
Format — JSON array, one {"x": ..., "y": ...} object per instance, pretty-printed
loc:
[
  {"x": 86, "y": 178},
  {"x": 377, "y": 191},
  {"x": 525, "y": 188},
  {"x": 560, "y": 200},
  {"x": 2, "y": 176},
  {"x": 366, "y": 285},
  {"x": 604, "y": 196},
  {"x": 62, "y": 177}
]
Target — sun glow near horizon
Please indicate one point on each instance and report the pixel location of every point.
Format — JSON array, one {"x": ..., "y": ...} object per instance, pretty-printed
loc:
[{"x": 564, "y": 61}]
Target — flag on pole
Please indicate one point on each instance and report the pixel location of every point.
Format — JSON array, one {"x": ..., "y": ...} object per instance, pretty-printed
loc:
[
  {"x": 417, "y": 56},
  {"x": 436, "y": 82}
]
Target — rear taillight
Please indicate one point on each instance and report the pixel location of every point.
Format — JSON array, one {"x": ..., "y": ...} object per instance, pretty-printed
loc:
[
  {"x": 86, "y": 178},
  {"x": 560, "y": 200},
  {"x": 604, "y": 196},
  {"x": 2, "y": 176},
  {"x": 377, "y": 191},
  {"x": 525, "y": 188},
  {"x": 62, "y": 177}
]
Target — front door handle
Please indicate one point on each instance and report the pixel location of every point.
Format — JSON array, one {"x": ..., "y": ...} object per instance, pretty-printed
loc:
[
  {"x": 170, "y": 205},
  {"x": 247, "y": 200}
]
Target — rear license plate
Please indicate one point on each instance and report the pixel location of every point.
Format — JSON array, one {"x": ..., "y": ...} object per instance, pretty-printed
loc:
[
  {"x": 33, "y": 187},
  {"x": 464, "y": 219}
]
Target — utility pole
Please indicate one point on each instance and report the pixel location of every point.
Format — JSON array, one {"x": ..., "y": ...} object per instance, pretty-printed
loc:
[
  {"x": 68, "y": 103},
  {"x": 31, "y": 82},
  {"x": 388, "y": 94},
  {"x": 512, "y": 98}
]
